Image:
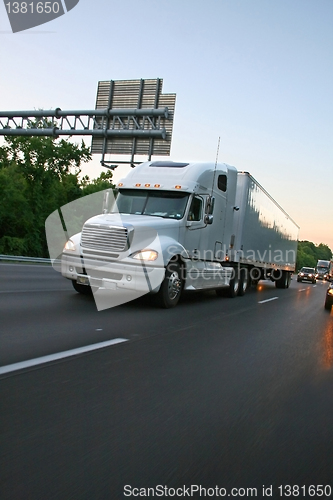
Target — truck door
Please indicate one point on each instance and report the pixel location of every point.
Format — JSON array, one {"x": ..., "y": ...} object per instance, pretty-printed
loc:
[{"x": 194, "y": 227}]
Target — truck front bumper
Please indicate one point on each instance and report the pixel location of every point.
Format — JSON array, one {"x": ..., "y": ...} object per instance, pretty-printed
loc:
[{"x": 112, "y": 275}]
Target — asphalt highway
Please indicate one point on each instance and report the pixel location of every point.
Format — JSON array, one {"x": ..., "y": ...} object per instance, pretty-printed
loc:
[{"x": 233, "y": 394}]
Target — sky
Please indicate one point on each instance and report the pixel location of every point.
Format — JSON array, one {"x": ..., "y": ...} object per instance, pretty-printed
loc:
[{"x": 256, "y": 73}]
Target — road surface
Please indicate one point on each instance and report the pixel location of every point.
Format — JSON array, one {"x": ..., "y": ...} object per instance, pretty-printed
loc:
[{"x": 227, "y": 395}]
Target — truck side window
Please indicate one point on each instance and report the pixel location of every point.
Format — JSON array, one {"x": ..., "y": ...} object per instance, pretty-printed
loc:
[
  {"x": 222, "y": 182},
  {"x": 195, "y": 211}
]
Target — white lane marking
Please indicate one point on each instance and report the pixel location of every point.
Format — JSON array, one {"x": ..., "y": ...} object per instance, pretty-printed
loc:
[
  {"x": 59, "y": 355},
  {"x": 302, "y": 290},
  {"x": 267, "y": 300}
]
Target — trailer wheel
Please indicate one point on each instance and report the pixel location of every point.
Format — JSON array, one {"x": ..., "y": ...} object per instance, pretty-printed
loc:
[
  {"x": 284, "y": 280},
  {"x": 255, "y": 275},
  {"x": 84, "y": 289},
  {"x": 244, "y": 282},
  {"x": 171, "y": 287}
]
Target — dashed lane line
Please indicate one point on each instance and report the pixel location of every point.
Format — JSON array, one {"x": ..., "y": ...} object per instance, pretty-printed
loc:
[
  {"x": 267, "y": 300},
  {"x": 59, "y": 355}
]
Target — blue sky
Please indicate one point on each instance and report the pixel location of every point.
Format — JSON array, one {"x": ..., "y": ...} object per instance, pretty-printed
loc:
[{"x": 257, "y": 73}]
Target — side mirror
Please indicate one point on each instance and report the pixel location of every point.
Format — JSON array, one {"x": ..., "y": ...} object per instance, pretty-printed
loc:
[{"x": 208, "y": 219}]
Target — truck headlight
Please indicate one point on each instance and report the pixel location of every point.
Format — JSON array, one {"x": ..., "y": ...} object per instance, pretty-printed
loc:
[
  {"x": 147, "y": 254},
  {"x": 70, "y": 246}
]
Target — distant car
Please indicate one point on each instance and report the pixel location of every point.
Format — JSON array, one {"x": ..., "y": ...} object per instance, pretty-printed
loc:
[
  {"x": 329, "y": 298},
  {"x": 307, "y": 274}
]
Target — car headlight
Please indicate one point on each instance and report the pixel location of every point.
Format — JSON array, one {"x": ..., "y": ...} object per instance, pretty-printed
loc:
[
  {"x": 70, "y": 246},
  {"x": 146, "y": 254},
  {"x": 301, "y": 274},
  {"x": 330, "y": 291},
  {"x": 310, "y": 275}
]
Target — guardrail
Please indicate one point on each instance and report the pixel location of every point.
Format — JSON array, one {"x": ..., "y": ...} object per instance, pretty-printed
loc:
[{"x": 33, "y": 260}]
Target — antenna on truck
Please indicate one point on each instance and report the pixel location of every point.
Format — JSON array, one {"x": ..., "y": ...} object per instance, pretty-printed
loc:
[
  {"x": 215, "y": 168},
  {"x": 217, "y": 152}
]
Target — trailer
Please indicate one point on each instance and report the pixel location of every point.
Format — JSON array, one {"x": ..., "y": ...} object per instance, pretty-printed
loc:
[
  {"x": 265, "y": 235},
  {"x": 177, "y": 226}
]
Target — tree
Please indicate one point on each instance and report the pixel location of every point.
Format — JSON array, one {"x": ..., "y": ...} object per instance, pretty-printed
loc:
[
  {"x": 308, "y": 254},
  {"x": 15, "y": 212},
  {"x": 323, "y": 252},
  {"x": 104, "y": 181},
  {"x": 37, "y": 176}
]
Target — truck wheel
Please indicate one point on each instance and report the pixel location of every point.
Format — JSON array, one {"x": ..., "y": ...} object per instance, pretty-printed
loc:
[
  {"x": 233, "y": 289},
  {"x": 284, "y": 280},
  {"x": 255, "y": 275},
  {"x": 171, "y": 288},
  {"x": 84, "y": 289},
  {"x": 244, "y": 281}
]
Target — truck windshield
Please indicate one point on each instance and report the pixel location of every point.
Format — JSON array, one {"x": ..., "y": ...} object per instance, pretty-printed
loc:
[{"x": 166, "y": 204}]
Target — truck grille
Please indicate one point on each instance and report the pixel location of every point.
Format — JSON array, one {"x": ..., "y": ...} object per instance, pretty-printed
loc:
[{"x": 98, "y": 237}]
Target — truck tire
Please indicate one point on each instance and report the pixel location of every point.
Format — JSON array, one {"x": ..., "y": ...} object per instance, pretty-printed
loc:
[
  {"x": 171, "y": 288},
  {"x": 255, "y": 276},
  {"x": 284, "y": 280},
  {"x": 244, "y": 281},
  {"x": 234, "y": 285},
  {"x": 84, "y": 289}
]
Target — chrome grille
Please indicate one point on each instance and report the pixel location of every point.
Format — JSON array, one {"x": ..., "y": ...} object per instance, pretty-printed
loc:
[{"x": 100, "y": 237}]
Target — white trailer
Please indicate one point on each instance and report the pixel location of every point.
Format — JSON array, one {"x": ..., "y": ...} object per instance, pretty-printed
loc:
[
  {"x": 265, "y": 237},
  {"x": 184, "y": 226}
]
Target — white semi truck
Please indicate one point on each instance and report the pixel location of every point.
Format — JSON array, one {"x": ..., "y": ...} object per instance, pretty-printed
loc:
[
  {"x": 184, "y": 226},
  {"x": 324, "y": 270}
]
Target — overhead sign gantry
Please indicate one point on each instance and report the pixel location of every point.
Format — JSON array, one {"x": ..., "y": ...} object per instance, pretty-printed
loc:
[{"x": 132, "y": 117}]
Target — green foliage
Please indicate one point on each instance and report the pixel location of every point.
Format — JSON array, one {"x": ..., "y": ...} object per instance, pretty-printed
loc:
[
  {"x": 308, "y": 254},
  {"x": 104, "y": 181},
  {"x": 10, "y": 245},
  {"x": 324, "y": 252},
  {"x": 38, "y": 175}
]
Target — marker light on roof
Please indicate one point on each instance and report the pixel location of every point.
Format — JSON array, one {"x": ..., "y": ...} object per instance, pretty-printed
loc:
[
  {"x": 157, "y": 185},
  {"x": 120, "y": 184},
  {"x": 137, "y": 185},
  {"x": 178, "y": 186},
  {"x": 147, "y": 185}
]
